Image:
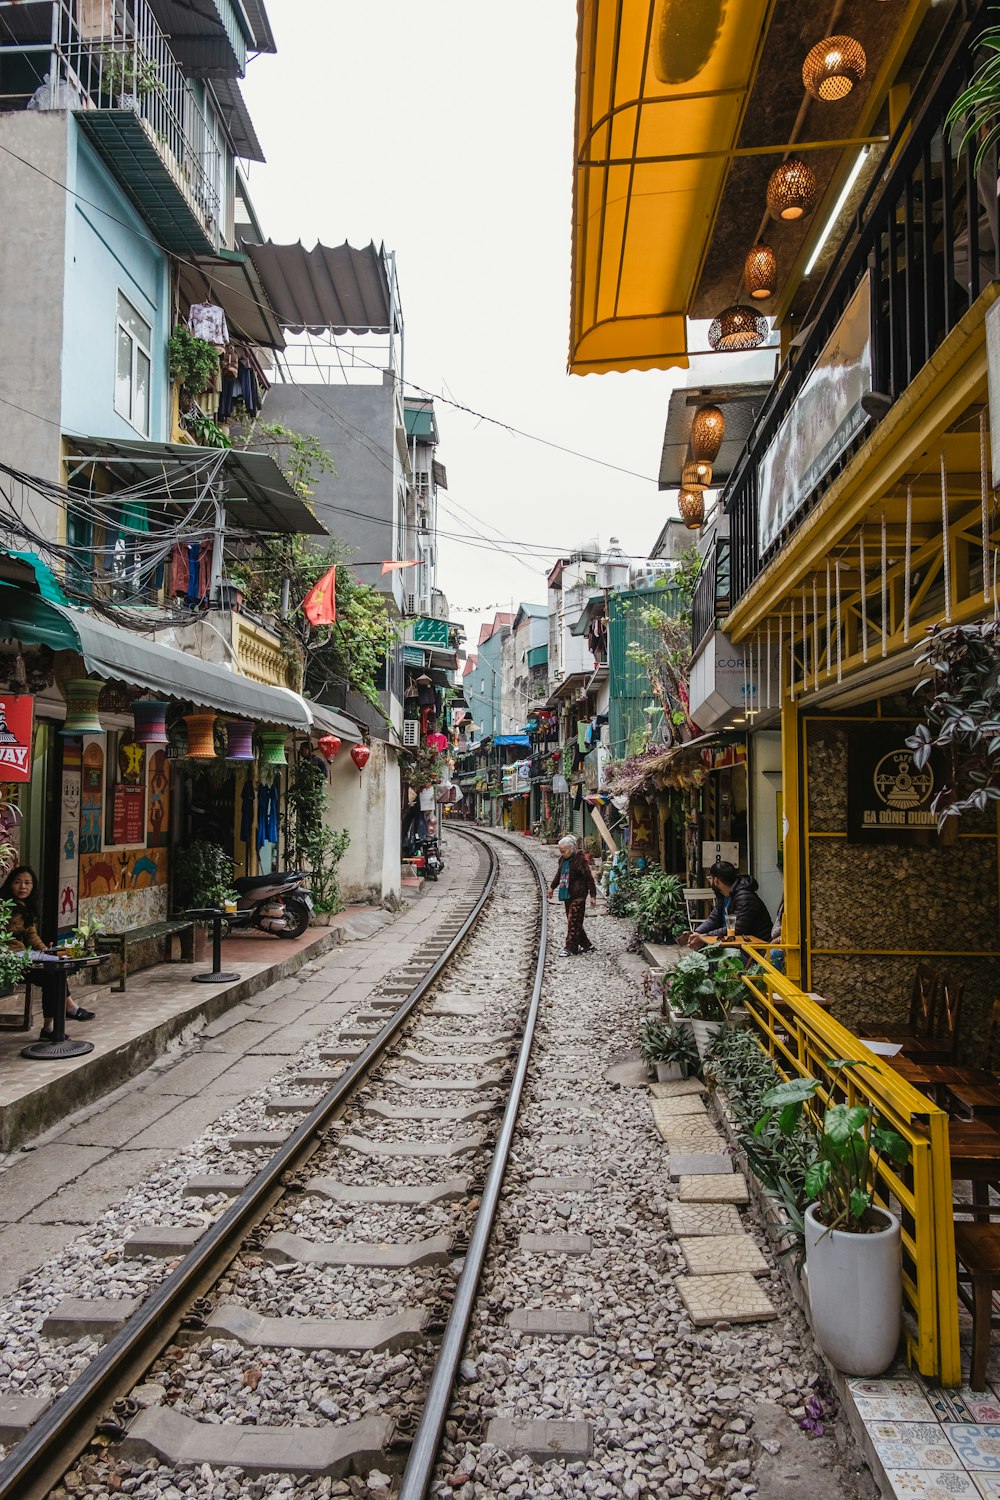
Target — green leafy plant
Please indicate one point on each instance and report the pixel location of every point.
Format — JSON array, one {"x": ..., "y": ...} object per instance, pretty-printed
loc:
[
  {"x": 86, "y": 931},
  {"x": 658, "y": 905},
  {"x": 13, "y": 962},
  {"x": 660, "y": 1041},
  {"x": 300, "y": 456},
  {"x": 318, "y": 849},
  {"x": 977, "y": 107},
  {"x": 193, "y": 361},
  {"x": 706, "y": 984},
  {"x": 847, "y": 1147},
  {"x": 203, "y": 876},
  {"x": 962, "y": 708},
  {"x": 125, "y": 72},
  {"x": 206, "y": 430}
]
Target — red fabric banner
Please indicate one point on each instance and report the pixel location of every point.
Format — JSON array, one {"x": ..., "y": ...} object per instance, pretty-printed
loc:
[{"x": 320, "y": 604}]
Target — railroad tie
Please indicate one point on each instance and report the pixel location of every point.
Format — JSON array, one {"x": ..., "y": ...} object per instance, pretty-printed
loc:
[
  {"x": 400, "y": 1330},
  {"x": 327, "y": 1451},
  {"x": 282, "y": 1248}
]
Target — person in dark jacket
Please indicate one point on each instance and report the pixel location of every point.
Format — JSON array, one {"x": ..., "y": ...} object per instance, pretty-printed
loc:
[
  {"x": 736, "y": 898},
  {"x": 574, "y": 883}
]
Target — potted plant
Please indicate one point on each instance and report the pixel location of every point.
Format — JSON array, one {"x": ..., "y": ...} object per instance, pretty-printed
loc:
[
  {"x": 853, "y": 1267},
  {"x": 127, "y": 76},
  {"x": 203, "y": 879},
  {"x": 668, "y": 1048},
  {"x": 659, "y": 908},
  {"x": 705, "y": 987},
  {"x": 13, "y": 961}
]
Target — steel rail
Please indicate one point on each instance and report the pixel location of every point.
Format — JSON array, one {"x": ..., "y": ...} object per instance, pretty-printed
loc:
[
  {"x": 427, "y": 1440},
  {"x": 51, "y": 1445}
]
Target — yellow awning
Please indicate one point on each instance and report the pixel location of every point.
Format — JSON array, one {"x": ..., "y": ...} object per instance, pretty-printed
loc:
[{"x": 661, "y": 89}]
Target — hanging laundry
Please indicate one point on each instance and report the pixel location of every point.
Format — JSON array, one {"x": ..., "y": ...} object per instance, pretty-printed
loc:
[
  {"x": 272, "y": 814},
  {"x": 263, "y": 799},
  {"x": 246, "y": 811},
  {"x": 207, "y": 321}
]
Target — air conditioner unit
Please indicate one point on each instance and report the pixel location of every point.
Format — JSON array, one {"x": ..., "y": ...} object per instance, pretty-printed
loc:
[{"x": 411, "y": 732}]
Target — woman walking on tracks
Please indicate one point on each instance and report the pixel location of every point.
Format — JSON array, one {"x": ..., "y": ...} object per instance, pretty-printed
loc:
[{"x": 574, "y": 883}]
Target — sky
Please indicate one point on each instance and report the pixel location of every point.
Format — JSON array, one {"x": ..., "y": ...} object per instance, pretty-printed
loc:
[{"x": 445, "y": 130}]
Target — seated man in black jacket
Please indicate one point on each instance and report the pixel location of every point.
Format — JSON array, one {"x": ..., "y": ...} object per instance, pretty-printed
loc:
[{"x": 736, "y": 898}]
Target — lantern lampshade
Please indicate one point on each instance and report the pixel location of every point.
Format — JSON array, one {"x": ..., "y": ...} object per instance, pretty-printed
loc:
[
  {"x": 149, "y": 715},
  {"x": 201, "y": 736},
  {"x": 737, "y": 327},
  {"x": 760, "y": 272},
  {"x": 359, "y": 755},
  {"x": 833, "y": 67},
  {"x": 707, "y": 431},
  {"x": 329, "y": 746},
  {"x": 273, "y": 747},
  {"x": 691, "y": 504},
  {"x": 82, "y": 717},
  {"x": 696, "y": 475},
  {"x": 792, "y": 190},
  {"x": 239, "y": 739}
]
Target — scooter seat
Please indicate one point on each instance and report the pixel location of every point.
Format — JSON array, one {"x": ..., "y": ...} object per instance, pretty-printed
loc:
[{"x": 247, "y": 883}]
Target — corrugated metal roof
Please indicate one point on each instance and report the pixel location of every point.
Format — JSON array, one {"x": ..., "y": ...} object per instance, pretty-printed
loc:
[
  {"x": 232, "y": 282},
  {"x": 206, "y": 36},
  {"x": 236, "y": 118},
  {"x": 132, "y": 155},
  {"x": 329, "y": 287},
  {"x": 263, "y": 36}
]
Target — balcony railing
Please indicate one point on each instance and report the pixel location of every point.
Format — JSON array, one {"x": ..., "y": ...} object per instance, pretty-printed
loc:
[
  {"x": 925, "y": 233},
  {"x": 711, "y": 594},
  {"x": 112, "y": 55}
]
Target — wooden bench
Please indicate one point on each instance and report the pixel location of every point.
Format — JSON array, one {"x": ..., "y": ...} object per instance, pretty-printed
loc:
[{"x": 120, "y": 942}]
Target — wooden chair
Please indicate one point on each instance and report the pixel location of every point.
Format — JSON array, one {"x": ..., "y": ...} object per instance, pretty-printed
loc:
[
  {"x": 977, "y": 1249},
  {"x": 974, "y": 1090},
  {"x": 923, "y": 1005}
]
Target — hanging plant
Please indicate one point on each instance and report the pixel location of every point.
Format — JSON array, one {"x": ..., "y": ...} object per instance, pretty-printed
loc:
[
  {"x": 962, "y": 716},
  {"x": 193, "y": 361}
]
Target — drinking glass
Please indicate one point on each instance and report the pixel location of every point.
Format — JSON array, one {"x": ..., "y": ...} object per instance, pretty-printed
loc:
[{"x": 730, "y": 926}]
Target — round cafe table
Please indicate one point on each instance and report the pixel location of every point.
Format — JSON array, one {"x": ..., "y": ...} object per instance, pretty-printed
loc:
[{"x": 50, "y": 974}]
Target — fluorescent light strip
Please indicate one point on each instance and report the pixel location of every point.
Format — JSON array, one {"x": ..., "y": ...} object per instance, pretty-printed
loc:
[{"x": 845, "y": 193}]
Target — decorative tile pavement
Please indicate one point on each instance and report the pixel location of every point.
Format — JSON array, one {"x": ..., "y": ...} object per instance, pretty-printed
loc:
[
  {"x": 931, "y": 1484},
  {"x": 683, "y": 1088},
  {"x": 690, "y": 1163},
  {"x": 688, "y": 1130},
  {"x": 913, "y": 1445},
  {"x": 709, "y": 1256},
  {"x": 913, "y": 1408},
  {"x": 688, "y": 1105},
  {"x": 988, "y": 1485},
  {"x": 721, "y": 1188},
  {"x": 732, "y": 1298},
  {"x": 964, "y": 1405},
  {"x": 977, "y": 1444},
  {"x": 704, "y": 1218}
]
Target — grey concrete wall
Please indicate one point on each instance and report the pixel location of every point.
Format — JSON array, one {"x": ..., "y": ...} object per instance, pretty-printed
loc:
[{"x": 32, "y": 270}]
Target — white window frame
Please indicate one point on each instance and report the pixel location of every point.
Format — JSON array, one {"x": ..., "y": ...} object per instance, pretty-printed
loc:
[{"x": 138, "y": 347}]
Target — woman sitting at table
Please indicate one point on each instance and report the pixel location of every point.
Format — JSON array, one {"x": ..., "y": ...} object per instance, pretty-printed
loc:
[{"x": 21, "y": 888}]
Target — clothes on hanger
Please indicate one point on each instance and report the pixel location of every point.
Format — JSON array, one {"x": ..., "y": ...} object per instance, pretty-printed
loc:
[{"x": 208, "y": 321}]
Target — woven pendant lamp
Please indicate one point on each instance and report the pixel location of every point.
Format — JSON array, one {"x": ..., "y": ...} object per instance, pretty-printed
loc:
[
  {"x": 691, "y": 504},
  {"x": 696, "y": 475},
  {"x": 792, "y": 190},
  {"x": 239, "y": 739},
  {"x": 201, "y": 736},
  {"x": 737, "y": 327},
  {"x": 707, "y": 431},
  {"x": 760, "y": 272},
  {"x": 273, "y": 747},
  {"x": 833, "y": 67},
  {"x": 149, "y": 716},
  {"x": 82, "y": 717}
]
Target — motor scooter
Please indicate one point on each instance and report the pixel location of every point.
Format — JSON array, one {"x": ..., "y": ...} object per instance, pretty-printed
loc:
[
  {"x": 427, "y": 850},
  {"x": 278, "y": 903}
]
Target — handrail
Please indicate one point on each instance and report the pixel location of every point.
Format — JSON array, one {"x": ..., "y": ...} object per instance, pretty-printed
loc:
[{"x": 801, "y": 1039}]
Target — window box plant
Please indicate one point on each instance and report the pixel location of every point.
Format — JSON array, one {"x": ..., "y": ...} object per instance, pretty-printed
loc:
[
  {"x": 668, "y": 1048},
  {"x": 853, "y": 1266}
]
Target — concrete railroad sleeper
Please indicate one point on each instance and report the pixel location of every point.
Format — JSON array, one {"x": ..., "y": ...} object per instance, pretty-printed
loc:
[{"x": 63, "y": 1431}]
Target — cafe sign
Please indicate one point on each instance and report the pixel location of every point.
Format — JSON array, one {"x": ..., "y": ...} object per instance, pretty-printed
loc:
[
  {"x": 888, "y": 796},
  {"x": 16, "y": 717}
]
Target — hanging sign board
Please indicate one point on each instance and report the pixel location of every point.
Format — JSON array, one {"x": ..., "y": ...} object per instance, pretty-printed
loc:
[
  {"x": 888, "y": 798},
  {"x": 711, "y": 852},
  {"x": 16, "y": 720},
  {"x": 823, "y": 420}
]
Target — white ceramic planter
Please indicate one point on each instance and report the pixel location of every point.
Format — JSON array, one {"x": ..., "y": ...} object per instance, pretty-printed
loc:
[
  {"x": 669, "y": 1072},
  {"x": 705, "y": 1033},
  {"x": 855, "y": 1293}
]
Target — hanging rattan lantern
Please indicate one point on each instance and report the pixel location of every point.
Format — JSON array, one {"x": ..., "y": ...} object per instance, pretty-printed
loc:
[
  {"x": 707, "y": 431},
  {"x": 691, "y": 504},
  {"x": 273, "y": 747},
  {"x": 201, "y": 736},
  {"x": 833, "y": 67},
  {"x": 149, "y": 716},
  {"x": 239, "y": 739},
  {"x": 760, "y": 272},
  {"x": 696, "y": 475},
  {"x": 82, "y": 717},
  {"x": 737, "y": 327},
  {"x": 792, "y": 190}
]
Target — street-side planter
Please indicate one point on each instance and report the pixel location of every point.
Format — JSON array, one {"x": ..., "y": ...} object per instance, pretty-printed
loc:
[
  {"x": 704, "y": 1033},
  {"x": 855, "y": 1289},
  {"x": 667, "y": 1049},
  {"x": 669, "y": 1072}
]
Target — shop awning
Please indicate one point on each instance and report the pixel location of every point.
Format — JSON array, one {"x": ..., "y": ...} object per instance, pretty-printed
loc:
[
  {"x": 233, "y": 283},
  {"x": 236, "y": 116},
  {"x": 329, "y": 721},
  {"x": 335, "y": 288},
  {"x": 112, "y": 652},
  {"x": 258, "y": 497},
  {"x": 660, "y": 95}
]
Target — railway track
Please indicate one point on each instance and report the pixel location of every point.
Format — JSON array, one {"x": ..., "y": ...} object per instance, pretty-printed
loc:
[{"x": 261, "y": 1288}]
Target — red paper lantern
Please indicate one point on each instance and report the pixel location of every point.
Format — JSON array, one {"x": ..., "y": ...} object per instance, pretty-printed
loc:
[
  {"x": 328, "y": 746},
  {"x": 359, "y": 755}
]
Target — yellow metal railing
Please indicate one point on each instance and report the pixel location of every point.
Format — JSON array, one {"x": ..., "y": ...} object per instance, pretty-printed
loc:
[{"x": 801, "y": 1039}]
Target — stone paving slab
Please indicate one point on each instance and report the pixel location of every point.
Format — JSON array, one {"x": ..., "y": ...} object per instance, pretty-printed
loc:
[
  {"x": 18, "y": 1413},
  {"x": 344, "y": 1053},
  {"x": 81, "y": 1201},
  {"x": 292, "y": 1104},
  {"x": 716, "y": 1254},
  {"x": 345, "y": 1192},
  {"x": 704, "y": 1218},
  {"x": 180, "y": 1441},
  {"x": 700, "y": 1164},
  {"x": 423, "y": 1149},
  {"x": 723, "y": 1188},
  {"x": 338, "y": 1335},
  {"x": 681, "y": 1089},
  {"x": 684, "y": 1129},
  {"x": 164, "y": 1241},
  {"x": 684, "y": 1107},
  {"x": 94, "y": 1317},
  {"x": 560, "y": 1184},
  {"x": 229, "y": 1184},
  {"x": 555, "y": 1322},
  {"x": 27, "y": 1245},
  {"x": 541, "y": 1439},
  {"x": 283, "y": 1248},
  {"x": 736, "y": 1298},
  {"x": 556, "y": 1244},
  {"x": 581, "y": 1141},
  {"x": 258, "y": 1140},
  {"x": 30, "y": 1181},
  {"x": 630, "y": 1075}
]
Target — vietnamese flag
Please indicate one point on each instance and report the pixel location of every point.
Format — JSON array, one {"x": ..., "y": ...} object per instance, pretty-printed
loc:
[{"x": 320, "y": 604}]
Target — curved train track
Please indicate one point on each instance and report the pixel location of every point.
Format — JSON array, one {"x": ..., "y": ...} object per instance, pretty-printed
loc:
[{"x": 186, "y": 1305}]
